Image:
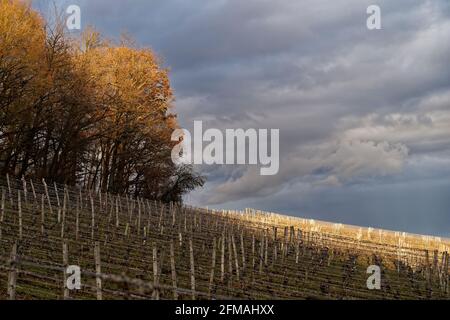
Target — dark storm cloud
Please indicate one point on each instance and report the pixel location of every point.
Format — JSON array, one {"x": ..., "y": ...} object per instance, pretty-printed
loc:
[{"x": 355, "y": 108}]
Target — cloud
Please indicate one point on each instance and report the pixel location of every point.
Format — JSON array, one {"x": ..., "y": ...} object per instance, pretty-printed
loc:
[
  {"x": 362, "y": 109},
  {"x": 330, "y": 163},
  {"x": 371, "y": 146},
  {"x": 422, "y": 132},
  {"x": 357, "y": 109}
]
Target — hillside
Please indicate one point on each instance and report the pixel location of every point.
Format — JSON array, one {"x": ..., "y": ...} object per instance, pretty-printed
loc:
[{"x": 140, "y": 249}]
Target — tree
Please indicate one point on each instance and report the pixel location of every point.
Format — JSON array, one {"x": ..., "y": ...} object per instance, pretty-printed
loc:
[{"x": 85, "y": 111}]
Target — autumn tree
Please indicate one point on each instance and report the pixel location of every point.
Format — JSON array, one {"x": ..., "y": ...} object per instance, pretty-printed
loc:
[
  {"x": 85, "y": 111},
  {"x": 22, "y": 44}
]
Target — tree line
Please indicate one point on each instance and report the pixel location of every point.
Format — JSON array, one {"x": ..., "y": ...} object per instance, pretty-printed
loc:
[{"x": 85, "y": 111}]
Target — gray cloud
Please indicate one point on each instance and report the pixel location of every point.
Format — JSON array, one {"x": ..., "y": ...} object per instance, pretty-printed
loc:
[{"x": 364, "y": 116}]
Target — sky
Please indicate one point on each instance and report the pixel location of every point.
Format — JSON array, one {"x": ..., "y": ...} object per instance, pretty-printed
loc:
[{"x": 364, "y": 115}]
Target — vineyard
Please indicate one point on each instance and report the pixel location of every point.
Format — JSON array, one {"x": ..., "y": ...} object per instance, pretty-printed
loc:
[{"x": 130, "y": 248}]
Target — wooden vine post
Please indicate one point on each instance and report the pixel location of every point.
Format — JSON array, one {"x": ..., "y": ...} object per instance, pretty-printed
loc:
[
  {"x": 63, "y": 222},
  {"x": 92, "y": 218},
  {"x": 19, "y": 203},
  {"x": 12, "y": 276},
  {"x": 98, "y": 271},
  {"x": 155, "y": 274},
  {"x": 117, "y": 212},
  {"x": 173, "y": 271},
  {"x": 427, "y": 270},
  {"x": 25, "y": 190},
  {"x": 243, "y": 250},
  {"x": 9, "y": 190},
  {"x": 33, "y": 190},
  {"x": 42, "y": 215},
  {"x": 77, "y": 219},
  {"x": 65, "y": 265},
  {"x": 48, "y": 196},
  {"x": 235, "y": 257},
  {"x": 261, "y": 254},
  {"x": 139, "y": 217},
  {"x": 222, "y": 258},
  {"x": 253, "y": 252},
  {"x": 266, "y": 248},
  {"x": 57, "y": 201},
  {"x": 191, "y": 255},
  {"x": 446, "y": 272},
  {"x": 230, "y": 260},
  {"x": 2, "y": 211},
  {"x": 213, "y": 267}
]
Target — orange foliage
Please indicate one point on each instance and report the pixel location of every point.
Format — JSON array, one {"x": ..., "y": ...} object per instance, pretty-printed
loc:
[{"x": 86, "y": 111}]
